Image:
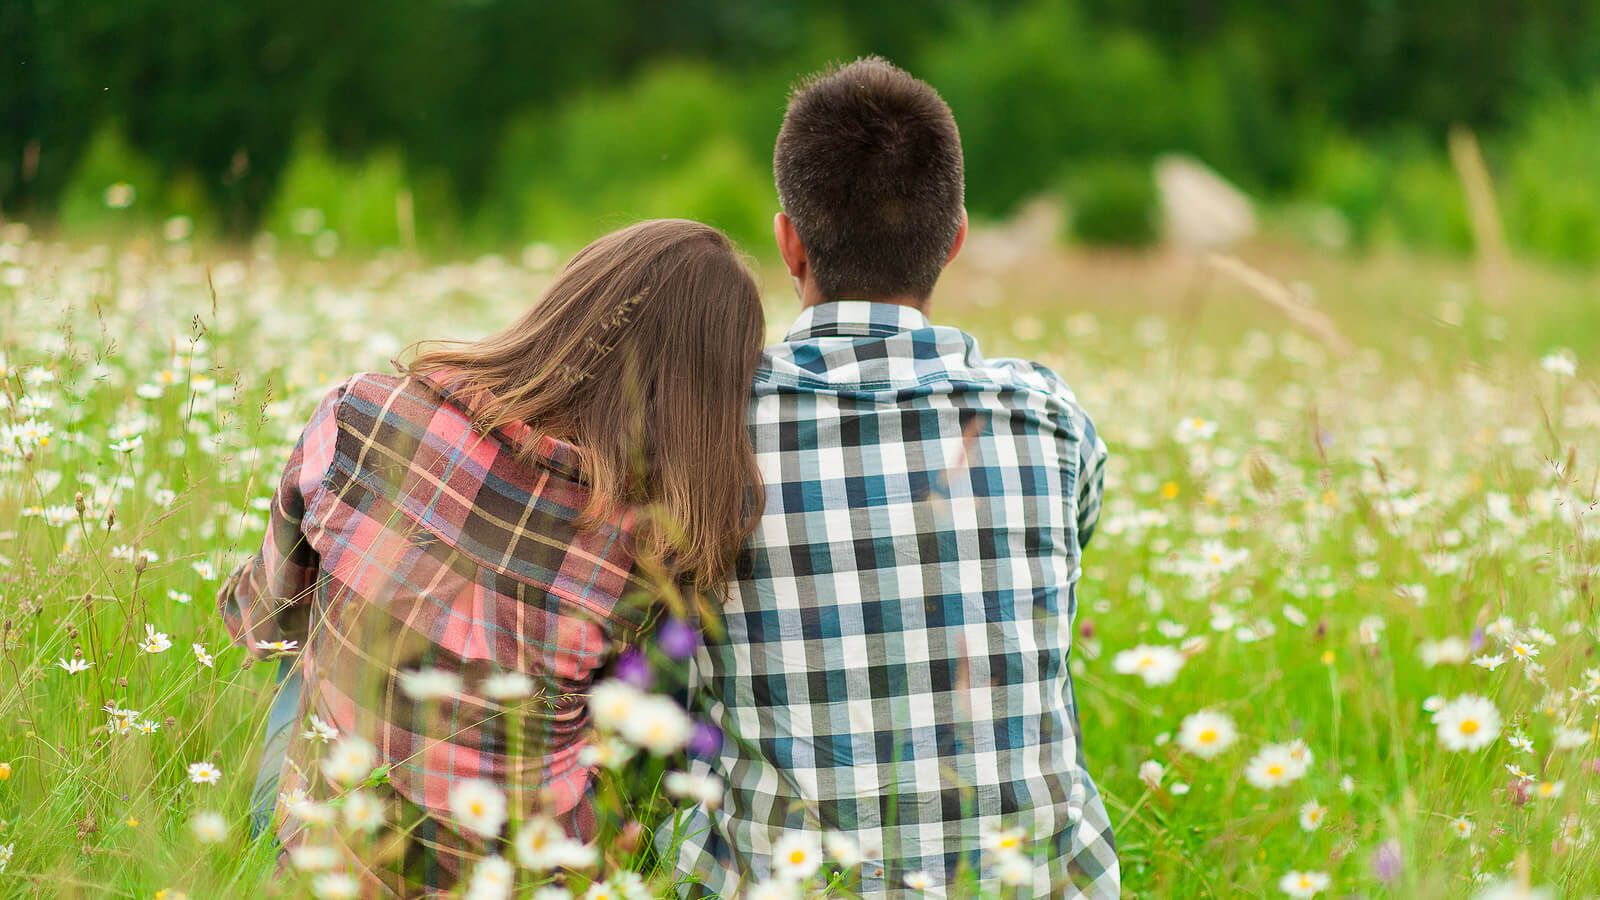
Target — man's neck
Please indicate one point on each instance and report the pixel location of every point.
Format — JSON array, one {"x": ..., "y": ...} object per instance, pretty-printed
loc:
[{"x": 920, "y": 306}]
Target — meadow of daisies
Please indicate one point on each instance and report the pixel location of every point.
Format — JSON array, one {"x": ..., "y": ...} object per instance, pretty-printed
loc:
[{"x": 1338, "y": 629}]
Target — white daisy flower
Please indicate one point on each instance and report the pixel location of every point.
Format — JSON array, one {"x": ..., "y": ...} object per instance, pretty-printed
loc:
[
  {"x": 796, "y": 855},
  {"x": 430, "y": 684},
  {"x": 335, "y": 886},
  {"x": 705, "y": 790},
  {"x": 658, "y": 725},
  {"x": 1311, "y": 815},
  {"x": 204, "y": 773},
  {"x": 612, "y": 703},
  {"x": 492, "y": 879},
  {"x": 363, "y": 811},
  {"x": 507, "y": 686},
  {"x": 1207, "y": 733},
  {"x": 1275, "y": 765},
  {"x": 1156, "y": 664},
  {"x": 1468, "y": 722},
  {"x": 155, "y": 641},
  {"x": 313, "y": 857},
  {"x": 349, "y": 760},
  {"x": 209, "y": 827},
  {"x": 1303, "y": 884},
  {"x": 479, "y": 807}
]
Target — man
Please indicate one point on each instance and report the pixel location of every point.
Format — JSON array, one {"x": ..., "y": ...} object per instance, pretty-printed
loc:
[{"x": 893, "y": 673}]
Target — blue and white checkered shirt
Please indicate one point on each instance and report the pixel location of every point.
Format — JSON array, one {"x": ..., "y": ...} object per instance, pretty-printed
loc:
[{"x": 894, "y": 665}]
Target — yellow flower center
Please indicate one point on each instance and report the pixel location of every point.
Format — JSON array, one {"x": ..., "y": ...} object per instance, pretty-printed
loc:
[
  {"x": 1469, "y": 726},
  {"x": 477, "y": 808},
  {"x": 796, "y": 857},
  {"x": 1207, "y": 736},
  {"x": 1274, "y": 770}
]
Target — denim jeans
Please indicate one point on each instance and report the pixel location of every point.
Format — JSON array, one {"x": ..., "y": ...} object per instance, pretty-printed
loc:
[{"x": 280, "y": 727}]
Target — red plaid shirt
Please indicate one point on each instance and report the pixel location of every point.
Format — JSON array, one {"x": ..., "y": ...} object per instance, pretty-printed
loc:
[{"x": 402, "y": 539}]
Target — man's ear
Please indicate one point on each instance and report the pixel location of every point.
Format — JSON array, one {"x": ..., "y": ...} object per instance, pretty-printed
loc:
[
  {"x": 789, "y": 246},
  {"x": 961, "y": 238}
]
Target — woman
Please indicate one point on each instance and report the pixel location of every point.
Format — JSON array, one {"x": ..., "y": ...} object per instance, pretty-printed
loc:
[{"x": 513, "y": 505}]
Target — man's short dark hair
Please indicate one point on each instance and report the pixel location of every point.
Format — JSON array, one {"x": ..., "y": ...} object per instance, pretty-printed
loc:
[{"x": 868, "y": 165}]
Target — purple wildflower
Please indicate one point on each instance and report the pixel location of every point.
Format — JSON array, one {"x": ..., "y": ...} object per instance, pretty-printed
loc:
[
  {"x": 678, "y": 639},
  {"x": 706, "y": 740},
  {"x": 633, "y": 668},
  {"x": 1386, "y": 861}
]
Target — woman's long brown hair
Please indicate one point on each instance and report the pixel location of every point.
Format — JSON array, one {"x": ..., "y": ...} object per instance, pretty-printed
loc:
[{"x": 641, "y": 355}]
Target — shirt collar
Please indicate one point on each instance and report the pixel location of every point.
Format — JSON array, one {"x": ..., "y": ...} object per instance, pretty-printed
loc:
[
  {"x": 855, "y": 318},
  {"x": 556, "y": 454}
]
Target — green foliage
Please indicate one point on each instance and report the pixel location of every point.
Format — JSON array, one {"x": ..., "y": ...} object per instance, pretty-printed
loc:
[
  {"x": 721, "y": 186},
  {"x": 1352, "y": 179},
  {"x": 1408, "y": 196},
  {"x": 356, "y": 202},
  {"x": 111, "y": 160},
  {"x": 1036, "y": 88},
  {"x": 1552, "y": 191},
  {"x": 1425, "y": 206},
  {"x": 664, "y": 146},
  {"x": 510, "y": 121},
  {"x": 1113, "y": 202}
]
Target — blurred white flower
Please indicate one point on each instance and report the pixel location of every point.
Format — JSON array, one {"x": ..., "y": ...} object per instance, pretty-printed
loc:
[
  {"x": 1561, "y": 362},
  {"x": 705, "y": 790},
  {"x": 349, "y": 760},
  {"x": 612, "y": 702},
  {"x": 1156, "y": 664},
  {"x": 658, "y": 725},
  {"x": 320, "y": 731},
  {"x": 492, "y": 879},
  {"x": 1303, "y": 884},
  {"x": 209, "y": 827},
  {"x": 430, "y": 684},
  {"x": 1447, "y": 651},
  {"x": 363, "y": 811},
  {"x": 1150, "y": 773},
  {"x": 335, "y": 886},
  {"x": 1194, "y": 428},
  {"x": 1275, "y": 765},
  {"x": 842, "y": 848},
  {"x": 507, "y": 686},
  {"x": 1512, "y": 890},
  {"x": 313, "y": 857},
  {"x": 1311, "y": 815},
  {"x": 796, "y": 855},
  {"x": 1207, "y": 733},
  {"x": 120, "y": 195},
  {"x": 479, "y": 807}
]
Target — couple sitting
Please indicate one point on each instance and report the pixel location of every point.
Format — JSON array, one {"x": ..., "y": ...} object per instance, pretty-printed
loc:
[{"x": 888, "y": 526}]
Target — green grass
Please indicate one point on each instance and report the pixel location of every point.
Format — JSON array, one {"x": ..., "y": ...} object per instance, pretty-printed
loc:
[{"x": 1343, "y": 479}]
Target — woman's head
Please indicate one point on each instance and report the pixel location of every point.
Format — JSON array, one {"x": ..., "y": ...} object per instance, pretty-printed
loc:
[{"x": 641, "y": 354}]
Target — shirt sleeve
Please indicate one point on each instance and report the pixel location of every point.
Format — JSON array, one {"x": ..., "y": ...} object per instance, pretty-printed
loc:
[
  {"x": 1092, "y": 455},
  {"x": 267, "y": 597}
]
